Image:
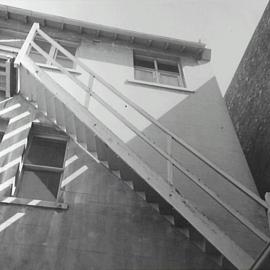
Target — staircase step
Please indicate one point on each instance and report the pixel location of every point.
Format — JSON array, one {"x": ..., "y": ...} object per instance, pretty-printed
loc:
[
  {"x": 101, "y": 149},
  {"x": 152, "y": 196},
  {"x": 165, "y": 208},
  {"x": 198, "y": 239},
  {"x": 215, "y": 255},
  {"x": 113, "y": 160},
  {"x": 180, "y": 221}
]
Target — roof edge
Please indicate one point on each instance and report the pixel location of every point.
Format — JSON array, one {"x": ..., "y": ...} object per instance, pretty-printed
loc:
[{"x": 135, "y": 34}]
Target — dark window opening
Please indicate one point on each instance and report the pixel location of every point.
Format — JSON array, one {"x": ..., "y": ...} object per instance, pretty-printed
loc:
[
  {"x": 43, "y": 166},
  {"x": 168, "y": 67},
  {"x": 46, "y": 152},
  {"x": 144, "y": 63},
  {"x": 41, "y": 185}
]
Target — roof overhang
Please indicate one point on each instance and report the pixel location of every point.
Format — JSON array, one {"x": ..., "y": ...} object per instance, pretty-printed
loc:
[{"x": 165, "y": 44}]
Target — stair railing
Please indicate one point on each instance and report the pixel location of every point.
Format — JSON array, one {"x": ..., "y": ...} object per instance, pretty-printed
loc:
[{"x": 25, "y": 51}]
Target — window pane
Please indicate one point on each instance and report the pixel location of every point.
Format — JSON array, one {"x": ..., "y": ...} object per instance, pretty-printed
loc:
[
  {"x": 39, "y": 185},
  {"x": 171, "y": 67},
  {"x": 46, "y": 152},
  {"x": 144, "y": 63},
  {"x": 144, "y": 75},
  {"x": 169, "y": 79}
]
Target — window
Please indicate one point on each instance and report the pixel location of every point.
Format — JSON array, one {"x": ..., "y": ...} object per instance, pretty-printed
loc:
[
  {"x": 157, "y": 70},
  {"x": 43, "y": 166}
]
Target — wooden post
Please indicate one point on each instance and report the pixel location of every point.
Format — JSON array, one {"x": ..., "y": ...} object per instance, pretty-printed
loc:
[{"x": 26, "y": 46}]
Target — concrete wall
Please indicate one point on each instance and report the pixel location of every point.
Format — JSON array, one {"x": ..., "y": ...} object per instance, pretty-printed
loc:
[{"x": 248, "y": 99}]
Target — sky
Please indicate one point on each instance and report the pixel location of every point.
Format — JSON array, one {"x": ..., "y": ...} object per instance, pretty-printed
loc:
[{"x": 226, "y": 26}]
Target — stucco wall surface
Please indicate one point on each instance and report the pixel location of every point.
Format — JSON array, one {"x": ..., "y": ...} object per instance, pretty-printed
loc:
[{"x": 248, "y": 99}]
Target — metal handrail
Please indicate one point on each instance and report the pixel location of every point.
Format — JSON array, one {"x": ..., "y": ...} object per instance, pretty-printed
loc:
[{"x": 31, "y": 43}]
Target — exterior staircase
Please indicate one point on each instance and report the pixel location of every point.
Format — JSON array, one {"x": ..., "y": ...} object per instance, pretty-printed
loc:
[{"x": 72, "y": 115}]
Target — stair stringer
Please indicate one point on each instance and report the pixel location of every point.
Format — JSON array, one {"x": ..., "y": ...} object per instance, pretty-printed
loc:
[{"x": 222, "y": 242}]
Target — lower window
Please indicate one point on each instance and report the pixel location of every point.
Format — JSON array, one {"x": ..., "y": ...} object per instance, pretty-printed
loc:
[{"x": 43, "y": 165}]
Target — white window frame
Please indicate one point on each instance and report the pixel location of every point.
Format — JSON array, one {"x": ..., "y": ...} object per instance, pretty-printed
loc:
[{"x": 156, "y": 71}]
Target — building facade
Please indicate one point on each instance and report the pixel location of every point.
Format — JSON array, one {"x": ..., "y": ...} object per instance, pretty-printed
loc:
[{"x": 118, "y": 152}]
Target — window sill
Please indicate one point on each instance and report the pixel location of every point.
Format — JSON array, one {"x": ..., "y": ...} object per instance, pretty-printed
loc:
[
  {"x": 29, "y": 202},
  {"x": 57, "y": 69},
  {"x": 158, "y": 85}
]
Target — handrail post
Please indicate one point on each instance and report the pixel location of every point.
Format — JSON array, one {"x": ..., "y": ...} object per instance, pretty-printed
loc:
[
  {"x": 169, "y": 163},
  {"x": 26, "y": 45}
]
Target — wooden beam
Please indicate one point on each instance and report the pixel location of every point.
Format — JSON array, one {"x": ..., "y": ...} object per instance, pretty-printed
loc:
[
  {"x": 28, "y": 202},
  {"x": 25, "y": 47}
]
